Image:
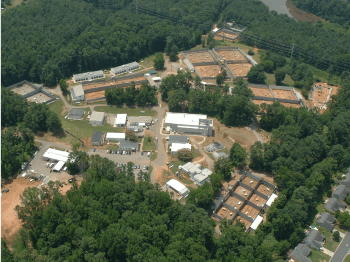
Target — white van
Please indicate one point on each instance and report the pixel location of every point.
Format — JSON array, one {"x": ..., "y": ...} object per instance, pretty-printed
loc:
[{"x": 149, "y": 154}]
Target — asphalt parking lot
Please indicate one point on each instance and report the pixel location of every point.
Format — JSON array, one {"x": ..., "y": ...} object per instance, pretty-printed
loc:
[{"x": 136, "y": 158}]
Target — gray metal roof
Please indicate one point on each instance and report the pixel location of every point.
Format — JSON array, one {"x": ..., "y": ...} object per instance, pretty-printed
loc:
[
  {"x": 314, "y": 237},
  {"x": 326, "y": 220},
  {"x": 341, "y": 191},
  {"x": 214, "y": 146},
  {"x": 178, "y": 139},
  {"x": 89, "y": 74},
  {"x": 76, "y": 113},
  {"x": 300, "y": 253},
  {"x": 129, "y": 144},
  {"x": 346, "y": 181},
  {"x": 333, "y": 205},
  {"x": 126, "y": 66},
  {"x": 96, "y": 137}
]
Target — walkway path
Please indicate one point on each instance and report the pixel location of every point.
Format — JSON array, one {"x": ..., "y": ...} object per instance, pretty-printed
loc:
[
  {"x": 256, "y": 133},
  {"x": 208, "y": 159}
]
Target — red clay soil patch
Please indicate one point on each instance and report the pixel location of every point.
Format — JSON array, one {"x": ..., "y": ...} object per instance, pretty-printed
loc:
[
  {"x": 291, "y": 105},
  {"x": 264, "y": 92},
  {"x": 250, "y": 211},
  {"x": 232, "y": 55},
  {"x": 240, "y": 69},
  {"x": 10, "y": 224},
  {"x": 199, "y": 57},
  {"x": 209, "y": 70},
  {"x": 284, "y": 94},
  {"x": 97, "y": 84},
  {"x": 94, "y": 95}
]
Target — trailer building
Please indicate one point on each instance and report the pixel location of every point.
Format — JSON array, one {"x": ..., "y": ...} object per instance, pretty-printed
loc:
[
  {"x": 125, "y": 68},
  {"x": 178, "y": 187},
  {"x": 76, "y": 114},
  {"x": 97, "y": 138},
  {"x": 189, "y": 123},
  {"x": 115, "y": 136},
  {"x": 88, "y": 76},
  {"x": 129, "y": 145}
]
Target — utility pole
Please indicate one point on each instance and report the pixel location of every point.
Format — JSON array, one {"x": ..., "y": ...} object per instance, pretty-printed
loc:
[{"x": 291, "y": 53}]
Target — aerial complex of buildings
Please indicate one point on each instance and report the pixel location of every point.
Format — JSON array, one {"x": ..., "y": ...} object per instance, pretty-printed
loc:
[
  {"x": 247, "y": 197},
  {"x": 33, "y": 92},
  {"x": 125, "y": 68}
]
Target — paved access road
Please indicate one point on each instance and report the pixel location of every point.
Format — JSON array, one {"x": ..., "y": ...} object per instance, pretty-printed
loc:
[{"x": 343, "y": 250}]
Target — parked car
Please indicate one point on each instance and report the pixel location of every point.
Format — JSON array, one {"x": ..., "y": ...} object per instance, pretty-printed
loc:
[
  {"x": 94, "y": 149},
  {"x": 129, "y": 152},
  {"x": 142, "y": 153},
  {"x": 146, "y": 167},
  {"x": 138, "y": 166},
  {"x": 107, "y": 151}
]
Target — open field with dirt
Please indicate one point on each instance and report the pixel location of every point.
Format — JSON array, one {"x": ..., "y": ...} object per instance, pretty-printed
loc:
[
  {"x": 284, "y": 94},
  {"x": 199, "y": 57},
  {"x": 290, "y": 105},
  {"x": 242, "y": 191},
  {"x": 228, "y": 135},
  {"x": 320, "y": 92},
  {"x": 233, "y": 202},
  {"x": 257, "y": 200},
  {"x": 259, "y": 102},
  {"x": 264, "y": 92},
  {"x": 231, "y": 55},
  {"x": 129, "y": 80},
  {"x": 209, "y": 70},
  {"x": 219, "y": 36},
  {"x": 250, "y": 182},
  {"x": 94, "y": 95},
  {"x": 224, "y": 212},
  {"x": 263, "y": 189},
  {"x": 240, "y": 69},
  {"x": 23, "y": 89},
  {"x": 250, "y": 211}
]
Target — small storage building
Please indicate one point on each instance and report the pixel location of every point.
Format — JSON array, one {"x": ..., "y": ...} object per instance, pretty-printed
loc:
[
  {"x": 114, "y": 137},
  {"x": 76, "y": 114},
  {"x": 120, "y": 120},
  {"x": 97, "y": 138},
  {"x": 97, "y": 118},
  {"x": 176, "y": 147},
  {"x": 77, "y": 93}
]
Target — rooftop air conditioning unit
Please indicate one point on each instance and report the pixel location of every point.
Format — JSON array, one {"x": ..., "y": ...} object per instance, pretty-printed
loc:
[{"x": 239, "y": 203}]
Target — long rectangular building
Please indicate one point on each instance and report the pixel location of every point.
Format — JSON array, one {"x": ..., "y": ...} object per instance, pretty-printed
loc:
[
  {"x": 56, "y": 155},
  {"x": 189, "y": 123},
  {"x": 125, "y": 68},
  {"x": 88, "y": 76}
]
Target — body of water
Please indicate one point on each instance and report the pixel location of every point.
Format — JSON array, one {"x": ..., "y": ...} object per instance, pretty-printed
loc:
[{"x": 277, "y": 5}]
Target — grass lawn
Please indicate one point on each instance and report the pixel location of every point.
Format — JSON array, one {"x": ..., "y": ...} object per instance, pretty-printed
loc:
[
  {"x": 331, "y": 244},
  {"x": 153, "y": 156},
  {"x": 130, "y": 111},
  {"x": 84, "y": 128},
  {"x": 347, "y": 259},
  {"x": 176, "y": 165},
  {"x": 280, "y": 260},
  {"x": 195, "y": 152},
  {"x": 113, "y": 147},
  {"x": 149, "y": 146},
  {"x": 318, "y": 256},
  {"x": 148, "y": 61},
  {"x": 211, "y": 156},
  {"x": 150, "y": 170}
]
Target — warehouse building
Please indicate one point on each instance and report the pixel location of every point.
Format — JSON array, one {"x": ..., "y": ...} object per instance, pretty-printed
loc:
[
  {"x": 120, "y": 120},
  {"x": 178, "y": 187},
  {"x": 177, "y": 146},
  {"x": 97, "y": 118},
  {"x": 76, "y": 114},
  {"x": 88, "y": 76},
  {"x": 56, "y": 155},
  {"x": 189, "y": 123},
  {"x": 77, "y": 93},
  {"x": 125, "y": 68},
  {"x": 127, "y": 145},
  {"x": 140, "y": 120},
  {"x": 114, "y": 137},
  {"x": 97, "y": 138}
]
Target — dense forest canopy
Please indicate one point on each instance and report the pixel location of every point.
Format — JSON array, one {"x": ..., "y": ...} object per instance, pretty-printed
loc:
[
  {"x": 335, "y": 11},
  {"x": 44, "y": 40}
]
